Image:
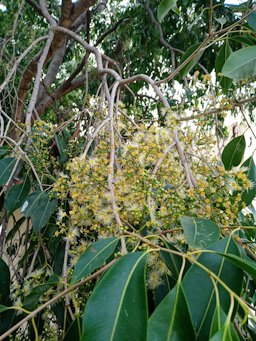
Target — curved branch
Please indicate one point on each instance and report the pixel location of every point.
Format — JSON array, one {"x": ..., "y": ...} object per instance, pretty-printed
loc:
[
  {"x": 37, "y": 8},
  {"x": 18, "y": 61},
  {"x": 161, "y": 34},
  {"x": 102, "y": 71},
  {"x": 34, "y": 95}
]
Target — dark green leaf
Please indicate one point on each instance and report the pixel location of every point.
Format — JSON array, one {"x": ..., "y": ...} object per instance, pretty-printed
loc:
[
  {"x": 4, "y": 150},
  {"x": 218, "y": 323},
  {"x": 174, "y": 262},
  {"x": 72, "y": 333},
  {"x": 62, "y": 147},
  {"x": 59, "y": 311},
  {"x": 233, "y": 153},
  {"x": 168, "y": 320},
  {"x": 199, "y": 289},
  {"x": 241, "y": 64},
  {"x": 165, "y": 7},
  {"x": 39, "y": 207},
  {"x": 226, "y": 333},
  {"x": 4, "y": 282},
  {"x": 221, "y": 58},
  {"x": 59, "y": 258},
  {"x": 244, "y": 40},
  {"x": 186, "y": 69},
  {"x": 200, "y": 233},
  {"x": 247, "y": 265},
  {"x": 249, "y": 195},
  {"x": 16, "y": 195},
  {"x": 15, "y": 228},
  {"x": 252, "y": 21},
  {"x": 94, "y": 257},
  {"x": 32, "y": 299},
  {"x": 8, "y": 319},
  {"x": 219, "y": 318},
  {"x": 117, "y": 308},
  {"x": 6, "y": 168},
  {"x": 3, "y": 308}
]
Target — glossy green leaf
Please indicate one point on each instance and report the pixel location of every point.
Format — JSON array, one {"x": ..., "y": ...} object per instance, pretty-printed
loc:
[
  {"x": 15, "y": 229},
  {"x": 4, "y": 282},
  {"x": 4, "y": 150},
  {"x": 247, "y": 265},
  {"x": 226, "y": 333},
  {"x": 241, "y": 64},
  {"x": 200, "y": 233},
  {"x": 221, "y": 58},
  {"x": 94, "y": 257},
  {"x": 16, "y": 195},
  {"x": 219, "y": 318},
  {"x": 72, "y": 333},
  {"x": 246, "y": 40},
  {"x": 252, "y": 21},
  {"x": 3, "y": 308},
  {"x": 39, "y": 206},
  {"x": 165, "y": 7},
  {"x": 199, "y": 290},
  {"x": 249, "y": 195},
  {"x": 173, "y": 262},
  {"x": 233, "y": 153},
  {"x": 6, "y": 168},
  {"x": 168, "y": 320},
  {"x": 32, "y": 299},
  {"x": 186, "y": 69},
  {"x": 62, "y": 147},
  {"x": 117, "y": 308}
]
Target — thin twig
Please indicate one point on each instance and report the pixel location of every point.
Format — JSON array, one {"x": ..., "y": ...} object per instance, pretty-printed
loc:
[
  {"x": 111, "y": 165},
  {"x": 19, "y": 60},
  {"x": 210, "y": 18},
  {"x": 64, "y": 275},
  {"x": 218, "y": 110},
  {"x": 56, "y": 298},
  {"x": 161, "y": 34},
  {"x": 34, "y": 95}
]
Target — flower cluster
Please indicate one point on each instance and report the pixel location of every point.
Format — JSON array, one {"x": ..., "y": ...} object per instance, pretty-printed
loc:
[
  {"x": 41, "y": 151},
  {"x": 150, "y": 186}
]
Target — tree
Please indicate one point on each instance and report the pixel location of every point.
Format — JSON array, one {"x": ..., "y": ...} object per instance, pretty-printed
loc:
[{"x": 127, "y": 204}]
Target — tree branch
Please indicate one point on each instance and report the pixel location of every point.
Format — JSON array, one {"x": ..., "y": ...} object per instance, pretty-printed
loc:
[
  {"x": 80, "y": 7},
  {"x": 218, "y": 110},
  {"x": 35, "y": 6},
  {"x": 56, "y": 298},
  {"x": 161, "y": 34}
]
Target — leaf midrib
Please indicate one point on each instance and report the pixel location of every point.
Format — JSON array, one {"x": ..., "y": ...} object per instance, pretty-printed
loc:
[
  {"x": 12, "y": 160},
  {"x": 174, "y": 311},
  {"x": 210, "y": 300},
  {"x": 97, "y": 255},
  {"x": 241, "y": 65},
  {"x": 40, "y": 225},
  {"x": 236, "y": 147},
  {"x": 27, "y": 212},
  {"x": 123, "y": 295}
]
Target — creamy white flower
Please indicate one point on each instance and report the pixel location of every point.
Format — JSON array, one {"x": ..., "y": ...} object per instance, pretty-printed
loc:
[{"x": 61, "y": 214}]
